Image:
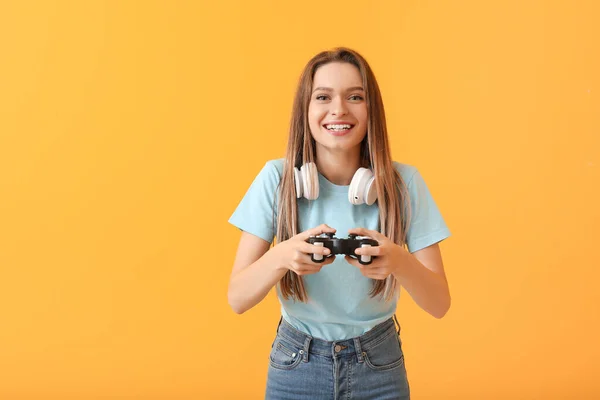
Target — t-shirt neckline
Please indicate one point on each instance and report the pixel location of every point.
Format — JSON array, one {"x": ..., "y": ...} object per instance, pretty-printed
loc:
[{"x": 326, "y": 184}]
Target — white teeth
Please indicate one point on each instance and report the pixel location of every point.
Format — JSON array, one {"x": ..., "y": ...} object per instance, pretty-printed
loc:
[{"x": 338, "y": 127}]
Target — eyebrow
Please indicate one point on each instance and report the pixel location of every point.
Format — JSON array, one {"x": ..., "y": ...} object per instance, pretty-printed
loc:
[{"x": 330, "y": 89}]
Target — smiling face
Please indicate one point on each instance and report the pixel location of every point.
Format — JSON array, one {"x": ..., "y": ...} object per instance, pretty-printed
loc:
[{"x": 337, "y": 112}]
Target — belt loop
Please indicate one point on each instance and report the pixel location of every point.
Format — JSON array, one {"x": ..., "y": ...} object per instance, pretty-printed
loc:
[
  {"x": 306, "y": 347},
  {"x": 279, "y": 324},
  {"x": 397, "y": 324},
  {"x": 358, "y": 348},
  {"x": 277, "y": 332}
]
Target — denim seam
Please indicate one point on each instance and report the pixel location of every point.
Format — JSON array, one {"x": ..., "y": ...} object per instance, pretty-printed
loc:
[
  {"x": 285, "y": 350},
  {"x": 335, "y": 378},
  {"x": 304, "y": 345},
  {"x": 306, "y": 348},
  {"x": 373, "y": 338},
  {"x": 286, "y": 367},
  {"x": 375, "y": 342},
  {"x": 291, "y": 339},
  {"x": 358, "y": 350},
  {"x": 393, "y": 365},
  {"x": 349, "y": 381},
  {"x": 377, "y": 331}
]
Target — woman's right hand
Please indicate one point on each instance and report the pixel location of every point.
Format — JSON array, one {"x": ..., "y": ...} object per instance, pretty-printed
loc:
[{"x": 295, "y": 253}]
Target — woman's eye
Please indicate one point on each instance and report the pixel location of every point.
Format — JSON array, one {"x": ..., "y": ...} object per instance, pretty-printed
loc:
[{"x": 353, "y": 97}]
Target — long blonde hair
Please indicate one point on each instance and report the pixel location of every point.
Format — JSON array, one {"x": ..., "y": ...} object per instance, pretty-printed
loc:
[{"x": 392, "y": 195}]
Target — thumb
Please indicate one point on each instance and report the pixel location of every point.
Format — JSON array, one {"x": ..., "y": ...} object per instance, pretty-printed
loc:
[
  {"x": 323, "y": 228},
  {"x": 368, "y": 232}
]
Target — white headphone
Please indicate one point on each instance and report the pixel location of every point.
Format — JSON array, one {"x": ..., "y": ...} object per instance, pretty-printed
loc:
[{"x": 362, "y": 188}]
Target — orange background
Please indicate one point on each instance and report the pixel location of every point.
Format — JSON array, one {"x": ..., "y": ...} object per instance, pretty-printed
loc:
[{"x": 129, "y": 131}]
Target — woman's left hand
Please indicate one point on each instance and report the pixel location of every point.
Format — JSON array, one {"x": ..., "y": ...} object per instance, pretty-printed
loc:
[{"x": 388, "y": 255}]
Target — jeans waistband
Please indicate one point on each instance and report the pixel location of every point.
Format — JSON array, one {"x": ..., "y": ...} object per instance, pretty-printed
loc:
[{"x": 355, "y": 345}]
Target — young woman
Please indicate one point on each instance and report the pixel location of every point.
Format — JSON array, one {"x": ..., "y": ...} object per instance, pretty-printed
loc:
[{"x": 336, "y": 337}]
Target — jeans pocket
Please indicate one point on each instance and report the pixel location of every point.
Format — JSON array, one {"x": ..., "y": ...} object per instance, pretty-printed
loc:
[
  {"x": 285, "y": 355},
  {"x": 385, "y": 354}
]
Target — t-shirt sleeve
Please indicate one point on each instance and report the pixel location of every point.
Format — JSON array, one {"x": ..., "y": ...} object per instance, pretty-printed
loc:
[
  {"x": 426, "y": 226},
  {"x": 257, "y": 210}
]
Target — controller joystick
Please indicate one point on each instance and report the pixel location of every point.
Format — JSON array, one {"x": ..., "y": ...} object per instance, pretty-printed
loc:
[{"x": 342, "y": 246}]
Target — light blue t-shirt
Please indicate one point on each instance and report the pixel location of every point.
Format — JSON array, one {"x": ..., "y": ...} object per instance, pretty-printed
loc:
[{"x": 339, "y": 306}]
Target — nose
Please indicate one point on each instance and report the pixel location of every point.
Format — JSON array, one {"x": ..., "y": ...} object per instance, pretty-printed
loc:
[{"x": 338, "y": 106}]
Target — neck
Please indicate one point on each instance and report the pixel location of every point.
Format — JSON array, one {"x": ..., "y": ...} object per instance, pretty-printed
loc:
[{"x": 338, "y": 166}]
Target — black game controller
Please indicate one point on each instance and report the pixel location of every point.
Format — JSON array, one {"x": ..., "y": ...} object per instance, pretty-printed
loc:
[{"x": 342, "y": 246}]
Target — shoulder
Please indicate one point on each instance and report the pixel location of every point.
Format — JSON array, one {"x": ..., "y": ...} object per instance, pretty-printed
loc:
[
  {"x": 271, "y": 172},
  {"x": 275, "y": 166},
  {"x": 407, "y": 171},
  {"x": 268, "y": 177}
]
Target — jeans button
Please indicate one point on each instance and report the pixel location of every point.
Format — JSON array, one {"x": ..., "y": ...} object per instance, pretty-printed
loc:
[{"x": 337, "y": 348}]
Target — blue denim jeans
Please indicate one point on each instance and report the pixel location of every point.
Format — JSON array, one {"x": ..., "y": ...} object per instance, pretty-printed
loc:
[{"x": 370, "y": 366}]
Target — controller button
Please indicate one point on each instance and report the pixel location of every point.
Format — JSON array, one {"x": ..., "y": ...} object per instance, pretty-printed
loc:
[
  {"x": 318, "y": 257},
  {"x": 363, "y": 257}
]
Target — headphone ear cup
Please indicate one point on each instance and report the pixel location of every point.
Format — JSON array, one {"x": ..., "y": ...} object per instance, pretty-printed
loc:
[
  {"x": 310, "y": 180},
  {"x": 298, "y": 182},
  {"x": 371, "y": 191},
  {"x": 362, "y": 188}
]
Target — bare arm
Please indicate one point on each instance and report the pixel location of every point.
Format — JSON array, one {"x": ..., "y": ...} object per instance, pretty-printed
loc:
[
  {"x": 254, "y": 273},
  {"x": 420, "y": 273},
  {"x": 257, "y": 268},
  {"x": 424, "y": 279}
]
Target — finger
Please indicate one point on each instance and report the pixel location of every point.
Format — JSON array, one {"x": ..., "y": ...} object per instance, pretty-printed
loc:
[
  {"x": 354, "y": 262},
  {"x": 307, "y": 259},
  {"x": 323, "y": 228},
  {"x": 365, "y": 270},
  {"x": 367, "y": 232},
  {"x": 314, "y": 249},
  {"x": 374, "y": 270},
  {"x": 380, "y": 275},
  {"x": 307, "y": 268},
  {"x": 374, "y": 263},
  {"x": 370, "y": 251},
  {"x": 329, "y": 260},
  {"x": 301, "y": 267}
]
